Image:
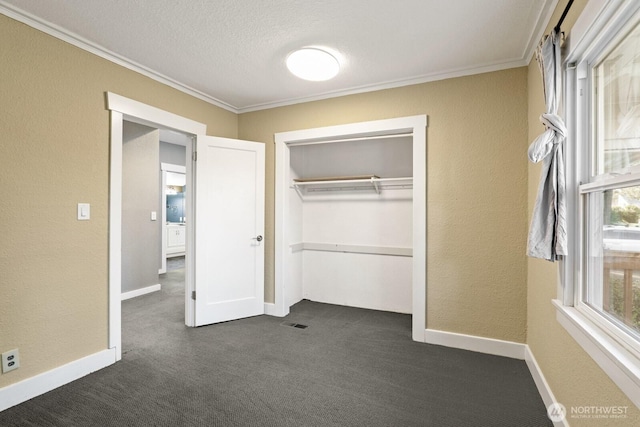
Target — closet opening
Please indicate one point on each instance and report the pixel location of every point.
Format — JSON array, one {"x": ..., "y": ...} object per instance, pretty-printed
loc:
[{"x": 351, "y": 217}]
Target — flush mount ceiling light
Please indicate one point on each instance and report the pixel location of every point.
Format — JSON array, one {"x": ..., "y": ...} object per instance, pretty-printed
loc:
[{"x": 313, "y": 64}]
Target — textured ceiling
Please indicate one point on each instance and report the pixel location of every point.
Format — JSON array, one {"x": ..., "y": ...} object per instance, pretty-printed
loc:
[{"x": 232, "y": 52}]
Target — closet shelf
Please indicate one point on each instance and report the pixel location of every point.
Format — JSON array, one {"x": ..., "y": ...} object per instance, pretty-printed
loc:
[{"x": 355, "y": 183}]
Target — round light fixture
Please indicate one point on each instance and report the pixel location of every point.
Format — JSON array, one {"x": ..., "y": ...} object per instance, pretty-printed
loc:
[{"x": 313, "y": 64}]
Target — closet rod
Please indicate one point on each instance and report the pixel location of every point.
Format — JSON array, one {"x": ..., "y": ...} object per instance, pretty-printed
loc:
[
  {"x": 381, "y": 181},
  {"x": 381, "y": 187},
  {"x": 359, "y": 138}
]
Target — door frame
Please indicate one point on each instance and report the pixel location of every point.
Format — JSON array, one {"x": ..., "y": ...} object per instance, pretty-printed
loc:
[
  {"x": 417, "y": 127},
  {"x": 166, "y": 167},
  {"x": 125, "y": 109}
]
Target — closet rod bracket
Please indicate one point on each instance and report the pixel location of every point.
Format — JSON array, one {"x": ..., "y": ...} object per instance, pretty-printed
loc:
[{"x": 374, "y": 181}]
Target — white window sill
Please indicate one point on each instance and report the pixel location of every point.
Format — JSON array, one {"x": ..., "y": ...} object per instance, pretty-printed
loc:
[{"x": 622, "y": 366}]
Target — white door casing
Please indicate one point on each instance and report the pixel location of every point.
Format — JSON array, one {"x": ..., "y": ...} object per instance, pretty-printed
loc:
[
  {"x": 416, "y": 126},
  {"x": 229, "y": 230},
  {"x": 125, "y": 109}
]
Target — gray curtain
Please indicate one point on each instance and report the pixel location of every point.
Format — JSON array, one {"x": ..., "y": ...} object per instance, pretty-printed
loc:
[{"x": 548, "y": 231}]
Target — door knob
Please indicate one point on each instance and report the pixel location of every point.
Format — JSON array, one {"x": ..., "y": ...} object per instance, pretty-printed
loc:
[{"x": 259, "y": 238}]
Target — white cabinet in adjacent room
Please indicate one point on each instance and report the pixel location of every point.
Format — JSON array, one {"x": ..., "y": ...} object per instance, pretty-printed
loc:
[{"x": 176, "y": 238}]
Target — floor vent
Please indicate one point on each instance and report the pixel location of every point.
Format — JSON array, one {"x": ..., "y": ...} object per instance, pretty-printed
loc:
[{"x": 295, "y": 325}]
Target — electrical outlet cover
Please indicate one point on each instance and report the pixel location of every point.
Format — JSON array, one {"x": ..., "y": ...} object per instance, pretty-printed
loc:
[{"x": 10, "y": 360}]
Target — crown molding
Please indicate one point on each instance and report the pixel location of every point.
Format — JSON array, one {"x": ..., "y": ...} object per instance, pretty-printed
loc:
[
  {"x": 544, "y": 17},
  {"x": 389, "y": 85},
  {"x": 84, "y": 44}
]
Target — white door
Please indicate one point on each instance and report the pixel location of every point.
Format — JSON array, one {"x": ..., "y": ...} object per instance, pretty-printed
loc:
[{"x": 229, "y": 229}]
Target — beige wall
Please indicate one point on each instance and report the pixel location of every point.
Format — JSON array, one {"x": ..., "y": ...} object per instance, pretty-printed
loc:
[
  {"x": 476, "y": 197},
  {"x": 573, "y": 376},
  {"x": 54, "y": 153}
]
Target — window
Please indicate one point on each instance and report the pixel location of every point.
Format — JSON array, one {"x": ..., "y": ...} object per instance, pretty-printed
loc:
[
  {"x": 601, "y": 286},
  {"x": 616, "y": 106},
  {"x": 612, "y": 194},
  {"x": 612, "y": 262}
]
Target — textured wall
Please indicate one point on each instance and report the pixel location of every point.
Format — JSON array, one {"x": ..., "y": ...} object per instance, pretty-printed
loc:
[
  {"x": 54, "y": 153},
  {"x": 476, "y": 196},
  {"x": 575, "y": 379},
  {"x": 141, "y": 239}
]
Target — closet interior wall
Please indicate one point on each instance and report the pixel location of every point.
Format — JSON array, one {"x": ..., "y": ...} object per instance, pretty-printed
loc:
[{"x": 351, "y": 241}]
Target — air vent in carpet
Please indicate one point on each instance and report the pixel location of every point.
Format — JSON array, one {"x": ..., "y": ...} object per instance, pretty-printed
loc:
[{"x": 295, "y": 325}]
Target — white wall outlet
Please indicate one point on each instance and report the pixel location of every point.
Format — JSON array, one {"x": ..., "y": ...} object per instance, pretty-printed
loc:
[
  {"x": 10, "y": 360},
  {"x": 154, "y": 215}
]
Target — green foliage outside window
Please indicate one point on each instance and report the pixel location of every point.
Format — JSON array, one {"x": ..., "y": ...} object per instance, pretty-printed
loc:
[
  {"x": 616, "y": 289},
  {"x": 628, "y": 214}
]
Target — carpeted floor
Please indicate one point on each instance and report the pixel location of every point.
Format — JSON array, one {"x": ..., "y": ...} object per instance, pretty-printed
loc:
[{"x": 349, "y": 367}]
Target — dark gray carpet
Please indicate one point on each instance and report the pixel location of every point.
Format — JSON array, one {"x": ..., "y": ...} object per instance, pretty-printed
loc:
[{"x": 350, "y": 367}]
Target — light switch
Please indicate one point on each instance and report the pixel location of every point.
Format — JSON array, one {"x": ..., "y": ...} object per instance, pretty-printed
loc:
[
  {"x": 154, "y": 216},
  {"x": 84, "y": 211}
]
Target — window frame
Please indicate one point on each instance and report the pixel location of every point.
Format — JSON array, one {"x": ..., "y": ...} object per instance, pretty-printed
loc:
[{"x": 600, "y": 26}]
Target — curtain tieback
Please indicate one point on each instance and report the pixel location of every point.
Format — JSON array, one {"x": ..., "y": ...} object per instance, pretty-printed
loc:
[{"x": 555, "y": 133}]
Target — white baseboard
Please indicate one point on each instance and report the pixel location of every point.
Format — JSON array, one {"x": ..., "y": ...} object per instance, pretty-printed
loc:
[
  {"x": 273, "y": 310},
  {"x": 499, "y": 348},
  {"x": 510, "y": 349},
  {"x": 541, "y": 383},
  {"x": 141, "y": 291},
  {"x": 29, "y": 388}
]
